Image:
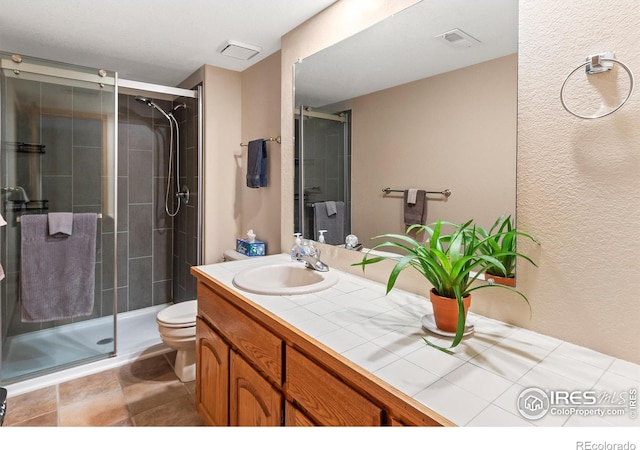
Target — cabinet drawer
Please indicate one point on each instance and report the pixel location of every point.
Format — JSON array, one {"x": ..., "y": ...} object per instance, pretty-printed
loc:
[
  {"x": 259, "y": 346},
  {"x": 324, "y": 397}
]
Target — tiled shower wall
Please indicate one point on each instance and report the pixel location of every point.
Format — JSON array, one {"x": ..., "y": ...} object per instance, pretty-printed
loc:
[{"x": 155, "y": 251}]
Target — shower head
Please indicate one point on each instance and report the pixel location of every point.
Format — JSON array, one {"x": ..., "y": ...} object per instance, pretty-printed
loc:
[
  {"x": 178, "y": 106},
  {"x": 148, "y": 102},
  {"x": 144, "y": 100}
]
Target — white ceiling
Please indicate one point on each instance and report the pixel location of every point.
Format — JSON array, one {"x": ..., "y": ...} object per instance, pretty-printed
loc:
[{"x": 155, "y": 41}]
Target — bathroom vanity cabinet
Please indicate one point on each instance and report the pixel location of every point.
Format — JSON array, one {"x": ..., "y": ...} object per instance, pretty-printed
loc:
[{"x": 255, "y": 369}]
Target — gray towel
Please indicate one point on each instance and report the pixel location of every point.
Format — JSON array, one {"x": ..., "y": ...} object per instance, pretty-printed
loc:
[
  {"x": 331, "y": 208},
  {"x": 257, "y": 164},
  {"x": 415, "y": 213},
  {"x": 57, "y": 276},
  {"x": 60, "y": 223},
  {"x": 334, "y": 224}
]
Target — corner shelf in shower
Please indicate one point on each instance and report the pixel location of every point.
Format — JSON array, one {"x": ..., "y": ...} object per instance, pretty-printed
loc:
[{"x": 22, "y": 147}]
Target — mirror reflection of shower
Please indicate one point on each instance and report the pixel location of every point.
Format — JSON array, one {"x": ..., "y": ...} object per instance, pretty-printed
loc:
[{"x": 182, "y": 195}]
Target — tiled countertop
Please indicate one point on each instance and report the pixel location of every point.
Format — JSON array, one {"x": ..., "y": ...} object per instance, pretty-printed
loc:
[{"x": 478, "y": 385}]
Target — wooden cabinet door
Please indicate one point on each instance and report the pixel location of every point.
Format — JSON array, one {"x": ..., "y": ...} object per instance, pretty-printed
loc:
[
  {"x": 293, "y": 417},
  {"x": 212, "y": 376},
  {"x": 253, "y": 401}
]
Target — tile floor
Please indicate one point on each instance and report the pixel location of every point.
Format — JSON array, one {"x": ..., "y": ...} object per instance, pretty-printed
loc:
[{"x": 140, "y": 394}]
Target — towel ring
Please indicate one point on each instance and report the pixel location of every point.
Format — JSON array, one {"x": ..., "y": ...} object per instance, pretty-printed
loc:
[{"x": 631, "y": 83}]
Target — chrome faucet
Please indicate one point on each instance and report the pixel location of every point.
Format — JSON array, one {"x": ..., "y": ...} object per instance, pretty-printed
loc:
[{"x": 311, "y": 258}]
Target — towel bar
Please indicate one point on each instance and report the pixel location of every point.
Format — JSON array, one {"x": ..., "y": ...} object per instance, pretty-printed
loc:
[
  {"x": 446, "y": 192},
  {"x": 18, "y": 218},
  {"x": 271, "y": 139}
]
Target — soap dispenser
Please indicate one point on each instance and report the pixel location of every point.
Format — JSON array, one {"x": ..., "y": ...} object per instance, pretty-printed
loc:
[
  {"x": 321, "y": 236},
  {"x": 297, "y": 248}
]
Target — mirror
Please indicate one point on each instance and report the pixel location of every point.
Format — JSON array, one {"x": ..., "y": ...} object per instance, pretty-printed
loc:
[{"x": 432, "y": 98}]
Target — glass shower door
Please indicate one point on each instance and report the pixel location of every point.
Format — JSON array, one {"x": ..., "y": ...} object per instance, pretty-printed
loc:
[
  {"x": 322, "y": 169},
  {"x": 57, "y": 155}
]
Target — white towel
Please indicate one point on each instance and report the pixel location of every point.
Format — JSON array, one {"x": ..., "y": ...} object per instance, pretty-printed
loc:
[{"x": 411, "y": 196}]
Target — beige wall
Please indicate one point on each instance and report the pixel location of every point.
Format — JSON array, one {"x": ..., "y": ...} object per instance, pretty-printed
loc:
[
  {"x": 453, "y": 131},
  {"x": 238, "y": 107},
  {"x": 259, "y": 209},
  {"x": 578, "y": 188},
  {"x": 579, "y": 180},
  {"x": 222, "y": 137}
]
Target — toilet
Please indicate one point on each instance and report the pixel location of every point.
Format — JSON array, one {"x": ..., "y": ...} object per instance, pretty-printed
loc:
[{"x": 177, "y": 328}]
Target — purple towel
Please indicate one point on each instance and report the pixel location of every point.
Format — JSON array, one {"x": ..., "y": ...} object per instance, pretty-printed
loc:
[
  {"x": 61, "y": 224},
  {"x": 57, "y": 274}
]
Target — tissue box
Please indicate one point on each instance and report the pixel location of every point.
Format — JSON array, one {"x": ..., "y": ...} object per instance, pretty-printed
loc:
[{"x": 255, "y": 248}]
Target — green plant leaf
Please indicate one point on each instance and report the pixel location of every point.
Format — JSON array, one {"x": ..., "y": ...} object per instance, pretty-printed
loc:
[{"x": 453, "y": 261}]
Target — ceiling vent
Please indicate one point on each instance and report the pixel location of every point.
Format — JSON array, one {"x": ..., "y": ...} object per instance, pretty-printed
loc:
[
  {"x": 458, "y": 38},
  {"x": 239, "y": 50}
]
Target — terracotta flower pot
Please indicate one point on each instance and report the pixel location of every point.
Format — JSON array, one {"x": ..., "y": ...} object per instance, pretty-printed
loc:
[
  {"x": 445, "y": 311},
  {"x": 497, "y": 279}
]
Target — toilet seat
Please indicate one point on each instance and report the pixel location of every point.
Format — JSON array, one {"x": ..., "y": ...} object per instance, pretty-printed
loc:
[
  {"x": 177, "y": 333},
  {"x": 179, "y": 315}
]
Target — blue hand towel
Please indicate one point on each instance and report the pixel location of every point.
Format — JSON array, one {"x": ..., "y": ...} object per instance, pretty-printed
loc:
[{"x": 257, "y": 164}]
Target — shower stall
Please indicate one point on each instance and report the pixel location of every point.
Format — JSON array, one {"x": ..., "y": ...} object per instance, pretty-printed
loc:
[
  {"x": 80, "y": 140},
  {"x": 322, "y": 173}
]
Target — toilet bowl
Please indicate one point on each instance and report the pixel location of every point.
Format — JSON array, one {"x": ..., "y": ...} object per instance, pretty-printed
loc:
[{"x": 177, "y": 327}]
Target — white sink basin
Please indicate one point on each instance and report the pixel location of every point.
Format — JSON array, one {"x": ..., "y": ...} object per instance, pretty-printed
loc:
[{"x": 284, "y": 279}]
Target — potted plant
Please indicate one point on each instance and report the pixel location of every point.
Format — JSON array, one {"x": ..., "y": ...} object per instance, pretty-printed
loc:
[
  {"x": 500, "y": 241},
  {"x": 451, "y": 262}
]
